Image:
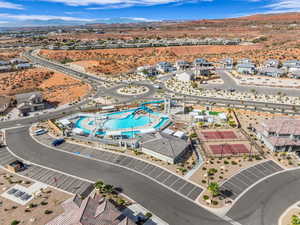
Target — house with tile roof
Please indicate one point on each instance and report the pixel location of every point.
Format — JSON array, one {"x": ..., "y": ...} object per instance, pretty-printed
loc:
[
  {"x": 280, "y": 134},
  {"x": 93, "y": 210}
]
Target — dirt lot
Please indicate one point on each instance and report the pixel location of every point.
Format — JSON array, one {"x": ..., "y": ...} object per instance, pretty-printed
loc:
[
  {"x": 35, "y": 209},
  {"x": 114, "y": 61},
  {"x": 57, "y": 88},
  {"x": 9, "y": 54}
]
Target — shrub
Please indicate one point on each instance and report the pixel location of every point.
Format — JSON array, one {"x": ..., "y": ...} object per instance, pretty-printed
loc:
[
  {"x": 226, "y": 162},
  {"x": 44, "y": 203},
  {"x": 15, "y": 222},
  {"x": 233, "y": 163},
  {"x": 205, "y": 197},
  {"x": 257, "y": 157},
  {"x": 203, "y": 181},
  {"x": 215, "y": 202},
  {"x": 47, "y": 211}
]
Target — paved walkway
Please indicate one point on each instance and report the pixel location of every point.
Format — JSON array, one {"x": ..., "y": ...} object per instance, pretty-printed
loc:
[
  {"x": 160, "y": 175},
  {"x": 237, "y": 184},
  {"x": 50, "y": 177}
]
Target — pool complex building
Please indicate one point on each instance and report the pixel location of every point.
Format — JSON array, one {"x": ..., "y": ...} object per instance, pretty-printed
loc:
[{"x": 127, "y": 123}]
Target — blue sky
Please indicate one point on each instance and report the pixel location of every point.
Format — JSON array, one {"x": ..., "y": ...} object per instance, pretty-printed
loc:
[{"x": 19, "y": 11}]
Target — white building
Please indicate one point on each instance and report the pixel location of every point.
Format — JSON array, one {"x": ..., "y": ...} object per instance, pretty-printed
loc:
[{"x": 185, "y": 76}]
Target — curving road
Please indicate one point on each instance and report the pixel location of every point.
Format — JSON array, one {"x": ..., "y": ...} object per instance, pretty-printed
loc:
[
  {"x": 168, "y": 205},
  {"x": 266, "y": 201}
]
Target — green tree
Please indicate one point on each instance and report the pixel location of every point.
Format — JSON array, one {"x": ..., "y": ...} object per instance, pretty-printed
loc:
[
  {"x": 99, "y": 186},
  {"x": 214, "y": 189},
  {"x": 295, "y": 220}
]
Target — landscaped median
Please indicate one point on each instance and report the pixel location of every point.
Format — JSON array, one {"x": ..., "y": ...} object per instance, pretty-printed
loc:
[{"x": 291, "y": 216}]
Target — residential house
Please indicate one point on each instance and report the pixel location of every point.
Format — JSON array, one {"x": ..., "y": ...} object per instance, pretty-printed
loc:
[
  {"x": 280, "y": 134},
  {"x": 165, "y": 67},
  {"x": 93, "y": 210},
  {"x": 30, "y": 102},
  {"x": 291, "y": 64},
  {"x": 246, "y": 68},
  {"x": 7, "y": 68},
  {"x": 4, "y": 63},
  {"x": 185, "y": 76},
  {"x": 23, "y": 66},
  {"x": 148, "y": 71},
  {"x": 202, "y": 63},
  {"x": 244, "y": 61},
  {"x": 295, "y": 74},
  {"x": 271, "y": 72},
  {"x": 182, "y": 65},
  {"x": 17, "y": 61},
  {"x": 274, "y": 63},
  {"x": 227, "y": 63},
  {"x": 165, "y": 147}
]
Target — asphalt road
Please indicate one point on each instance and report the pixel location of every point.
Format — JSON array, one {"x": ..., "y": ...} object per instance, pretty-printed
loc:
[
  {"x": 171, "y": 207},
  {"x": 230, "y": 83},
  {"x": 265, "y": 202}
]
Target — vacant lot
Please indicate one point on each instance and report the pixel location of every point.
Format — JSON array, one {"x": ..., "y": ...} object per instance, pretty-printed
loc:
[
  {"x": 114, "y": 61},
  {"x": 56, "y": 87}
]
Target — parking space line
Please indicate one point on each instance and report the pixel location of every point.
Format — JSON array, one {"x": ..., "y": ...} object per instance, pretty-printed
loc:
[
  {"x": 177, "y": 178},
  {"x": 159, "y": 174},
  {"x": 235, "y": 185},
  {"x": 263, "y": 170},
  {"x": 169, "y": 175},
  {"x": 191, "y": 190},
  {"x": 147, "y": 165},
  {"x": 247, "y": 179},
  {"x": 257, "y": 171},
  {"x": 185, "y": 183},
  {"x": 265, "y": 165}
]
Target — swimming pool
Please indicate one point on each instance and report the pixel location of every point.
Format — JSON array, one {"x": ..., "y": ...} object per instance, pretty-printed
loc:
[{"x": 127, "y": 123}]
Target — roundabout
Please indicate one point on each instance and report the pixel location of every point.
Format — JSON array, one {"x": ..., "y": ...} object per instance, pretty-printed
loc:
[{"x": 133, "y": 90}]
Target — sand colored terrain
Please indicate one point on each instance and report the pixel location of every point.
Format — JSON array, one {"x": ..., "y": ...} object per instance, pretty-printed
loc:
[
  {"x": 56, "y": 87},
  {"x": 10, "y": 210},
  {"x": 9, "y": 54},
  {"x": 114, "y": 61}
]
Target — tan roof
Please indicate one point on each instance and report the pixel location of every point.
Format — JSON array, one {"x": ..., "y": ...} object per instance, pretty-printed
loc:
[{"x": 93, "y": 210}]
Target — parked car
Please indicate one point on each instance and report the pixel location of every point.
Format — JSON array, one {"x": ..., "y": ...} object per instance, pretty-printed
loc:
[
  {"x": 58, "y": 142},
  {"x": 40, "y": 132}
]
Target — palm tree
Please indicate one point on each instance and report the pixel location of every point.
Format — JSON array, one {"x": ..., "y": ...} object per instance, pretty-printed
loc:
[
  {"x": 214, "y": 189},
  {"x": 99, "y": 186},
  {"x": 108, "y": 188}
]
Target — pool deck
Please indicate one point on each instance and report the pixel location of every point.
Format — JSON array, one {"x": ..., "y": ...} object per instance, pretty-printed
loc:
[{"x": 157, "y": 121}]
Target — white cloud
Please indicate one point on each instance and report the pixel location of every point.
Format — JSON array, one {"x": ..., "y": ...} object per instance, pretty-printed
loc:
[
  {"x": 9, "y": 5},
  {"x": 43, "y": 17},
  {"x": 104, "y": 4},
  {"x": 285, "y": 5},
  {"x": 140, "y": 19}
]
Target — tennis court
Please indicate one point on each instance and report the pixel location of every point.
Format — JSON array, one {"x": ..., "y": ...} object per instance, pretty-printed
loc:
[
  {"x": 210, "y": 135},
  {"x": 228, "y": 149}
]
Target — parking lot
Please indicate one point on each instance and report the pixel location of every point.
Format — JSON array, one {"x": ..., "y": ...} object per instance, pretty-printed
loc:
[
  {"x": 234, "y": 186},
  {"x": 160, "y": 175},
  {"x": 50, "y": 177}
]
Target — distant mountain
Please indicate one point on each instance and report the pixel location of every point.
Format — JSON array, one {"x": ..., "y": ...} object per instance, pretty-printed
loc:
[{"x": 62, "y": 22}]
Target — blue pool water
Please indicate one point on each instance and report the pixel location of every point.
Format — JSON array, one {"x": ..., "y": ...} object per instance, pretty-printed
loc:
[{"x": 131, "y": 120}]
